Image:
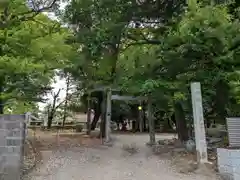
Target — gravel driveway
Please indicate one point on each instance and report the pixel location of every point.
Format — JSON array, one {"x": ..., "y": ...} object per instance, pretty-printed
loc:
[{"x": 107, "y": 163}]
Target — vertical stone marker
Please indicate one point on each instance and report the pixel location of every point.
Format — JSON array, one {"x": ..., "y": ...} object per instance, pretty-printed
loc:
[{"x": 199, "y": 128}]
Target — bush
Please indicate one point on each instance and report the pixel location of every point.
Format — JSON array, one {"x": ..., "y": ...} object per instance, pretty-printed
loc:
[{"x": 79, "y": 128}]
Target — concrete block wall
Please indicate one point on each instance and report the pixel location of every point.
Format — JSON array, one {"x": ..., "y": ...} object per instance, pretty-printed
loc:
[
  {"x": 229, "y": 163},
  {"x": 12, "y": 135}
]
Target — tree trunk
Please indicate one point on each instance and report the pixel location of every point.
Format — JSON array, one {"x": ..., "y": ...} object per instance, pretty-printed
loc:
[
  {"x": 144, "y": 122},
  {"x": 103, "y": 117},
  {"x": 173, "y": 119},
  {"x": 1, "y": 96},
  {"x": 52, "y": 110},
  {"x": 4, "y": 19},
  {"x": 181, "y": 123},
  {"x": 1, "y": 109},
  {"x": 1, "y": 106},
  {"x": 135, "y": 114},
  {"x": 221, "y": 100},
  {"x": 97, "y": 111},
  {"x": 1, "y": 101},
  {"x": 165, "y": 122},
  {"x": 89, "y": 113},
  {"x": 103, "y": 127},
  {"x": 97, "y": 114},
  {"x": 118, "y": 126},
  {"x": 134, "y": 125},
  {"x": 167, "y": 125},
  {"x": 66, "y": 100},
  {"x": 50, "y": 119}
]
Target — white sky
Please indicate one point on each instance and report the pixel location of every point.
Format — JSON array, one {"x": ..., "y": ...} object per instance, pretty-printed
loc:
[{"x": 58, "y": 84}]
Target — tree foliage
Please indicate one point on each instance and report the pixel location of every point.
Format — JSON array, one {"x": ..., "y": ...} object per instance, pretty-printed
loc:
[
  {"x": 32, "y": 46},
  {"x": 155, "y": 48},
  {"x": 158, "y": 48}
]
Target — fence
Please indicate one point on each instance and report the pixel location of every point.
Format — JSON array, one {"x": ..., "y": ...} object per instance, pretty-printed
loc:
[
  {"x": 12, "y": 137},
  {"x": 233, "y": 126}
]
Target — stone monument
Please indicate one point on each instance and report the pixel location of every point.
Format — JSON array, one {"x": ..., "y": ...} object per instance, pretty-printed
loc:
[{"x": 199, "y": 128}]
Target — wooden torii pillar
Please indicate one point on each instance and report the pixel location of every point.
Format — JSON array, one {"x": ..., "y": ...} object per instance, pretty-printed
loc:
[
  {"x": 88, "y": 115},
  {"x": 108, "y": 114},
  {"x": 151, "y": 123}
]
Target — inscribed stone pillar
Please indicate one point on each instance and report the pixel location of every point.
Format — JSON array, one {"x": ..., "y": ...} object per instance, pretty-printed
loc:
[{"x": 199, "y": 128}]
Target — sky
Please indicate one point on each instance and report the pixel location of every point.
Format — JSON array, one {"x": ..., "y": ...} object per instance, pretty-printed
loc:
[{"x": 58, "y": 84}]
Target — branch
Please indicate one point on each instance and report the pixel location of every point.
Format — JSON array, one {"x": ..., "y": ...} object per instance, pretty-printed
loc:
[
  {"x": 150, "y": 41},
  {"x": 23, "y": 16},
  {"x": 145, "y": 40},
  {"x": 37, "y": 11},
  {"x": 235, "y": 46},
  {"x": 57, "y": 94},
  {"x": 47, "y": 7},
  {"x": 4, "y": 17},
  {"x": 59, "y": 104},
  {"x": 67, "y": 98},
  {"x": 138, "y": 44},
  {"x": 34, "y": 12}
]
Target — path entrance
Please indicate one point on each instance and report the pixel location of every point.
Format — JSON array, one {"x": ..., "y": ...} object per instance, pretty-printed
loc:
[{"x": 107, "y": 163}]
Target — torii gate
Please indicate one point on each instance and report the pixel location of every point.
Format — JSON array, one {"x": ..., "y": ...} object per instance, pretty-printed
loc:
[{"x": 109, "y": 98}]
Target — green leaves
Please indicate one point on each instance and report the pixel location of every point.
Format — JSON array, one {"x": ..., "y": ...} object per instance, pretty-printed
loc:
[
  {"x": 153, "y": 50},
  {"x": 32, "y": 47}
]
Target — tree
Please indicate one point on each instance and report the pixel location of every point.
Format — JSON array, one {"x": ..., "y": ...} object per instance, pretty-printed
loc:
[
  {"x": 69, "y": 95},
  {"x": 32, "y": 47},
  {"x": 204, "y": 51},
  {"x": 102, "y": 28},
  {"x": 52, "y": 108},
  {"x": 156, "y": 49},
  {"x": 21, "y": 107},
  {"x": 196, "y": 48}
]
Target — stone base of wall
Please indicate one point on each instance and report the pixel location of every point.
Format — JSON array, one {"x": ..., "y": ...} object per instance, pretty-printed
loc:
[
  {"x": 12, "y": 135},
  {"x": 229, "y": 163}
]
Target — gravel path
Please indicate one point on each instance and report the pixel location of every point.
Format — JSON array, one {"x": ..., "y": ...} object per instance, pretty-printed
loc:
[{"x": 110, "y": 163}]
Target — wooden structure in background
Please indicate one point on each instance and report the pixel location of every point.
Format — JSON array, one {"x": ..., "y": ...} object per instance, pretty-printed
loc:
[{"x": 109, "y": 95}]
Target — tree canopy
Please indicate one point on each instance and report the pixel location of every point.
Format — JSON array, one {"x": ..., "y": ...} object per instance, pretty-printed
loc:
[
  {"x": 158, "y": 48},
  {"x": 32, "y": 47},
  {"x": 155, "y": 48}
]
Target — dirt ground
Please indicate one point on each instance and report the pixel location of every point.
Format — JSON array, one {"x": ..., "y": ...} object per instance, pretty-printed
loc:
[{"x": 72, "y": 157}]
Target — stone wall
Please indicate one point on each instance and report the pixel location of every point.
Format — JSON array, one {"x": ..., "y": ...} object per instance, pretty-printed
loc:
[
  {"x": 12, "y": 136},
  {"x": 229, "y": 163}
]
